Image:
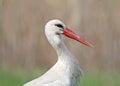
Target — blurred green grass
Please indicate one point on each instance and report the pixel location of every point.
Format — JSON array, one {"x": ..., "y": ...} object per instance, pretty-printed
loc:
[
  {"x": 19, "y": 77},
  {"x": 106, "y": 78}
]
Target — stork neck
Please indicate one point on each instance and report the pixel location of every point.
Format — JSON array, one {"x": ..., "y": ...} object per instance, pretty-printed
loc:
[
  {"x": 61, "y": 49},
  {"x": 57, "y": 43}
]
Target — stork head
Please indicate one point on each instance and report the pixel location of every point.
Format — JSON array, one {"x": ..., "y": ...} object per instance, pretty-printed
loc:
[{"x": 55, "y": 28}]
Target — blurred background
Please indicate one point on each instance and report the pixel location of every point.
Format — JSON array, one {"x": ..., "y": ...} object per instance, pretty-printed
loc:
[{"x": 23, "y": 44}]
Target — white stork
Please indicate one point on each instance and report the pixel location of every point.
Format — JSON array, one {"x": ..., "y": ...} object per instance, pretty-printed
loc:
[{"x": 66, "y": 71}]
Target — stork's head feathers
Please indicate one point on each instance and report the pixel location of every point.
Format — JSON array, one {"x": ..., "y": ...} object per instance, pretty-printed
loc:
[{"x": 55, "y": 28}]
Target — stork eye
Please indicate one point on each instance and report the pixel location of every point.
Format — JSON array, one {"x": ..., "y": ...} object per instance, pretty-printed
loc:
[{"x": 59, "y": 25}]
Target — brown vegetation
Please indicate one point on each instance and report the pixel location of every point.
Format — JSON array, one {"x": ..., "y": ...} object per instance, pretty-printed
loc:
[{"x": 22, "y": 39}]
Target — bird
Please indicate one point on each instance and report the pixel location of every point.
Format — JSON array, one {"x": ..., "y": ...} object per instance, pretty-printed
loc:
[{"x": 66, "y": 71}]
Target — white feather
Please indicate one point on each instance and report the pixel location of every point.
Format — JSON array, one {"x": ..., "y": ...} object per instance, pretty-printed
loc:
[{"x": 66, "y": 71}]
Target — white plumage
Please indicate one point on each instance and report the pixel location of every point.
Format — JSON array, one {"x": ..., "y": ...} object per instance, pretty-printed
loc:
[{"x": 66, "y": 71}]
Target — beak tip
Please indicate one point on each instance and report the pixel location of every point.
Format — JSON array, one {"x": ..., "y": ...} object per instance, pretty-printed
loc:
[{"x": 91, "y": 46}]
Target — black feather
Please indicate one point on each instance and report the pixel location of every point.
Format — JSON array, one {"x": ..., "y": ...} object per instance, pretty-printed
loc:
[{"x": 59, "y": 25}]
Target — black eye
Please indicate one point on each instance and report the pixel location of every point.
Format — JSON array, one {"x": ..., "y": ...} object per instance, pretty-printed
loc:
[{"x": 59, "y": 25}]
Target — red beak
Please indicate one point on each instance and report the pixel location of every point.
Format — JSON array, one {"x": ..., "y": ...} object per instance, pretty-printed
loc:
[{"x": 69, "y": 33}]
